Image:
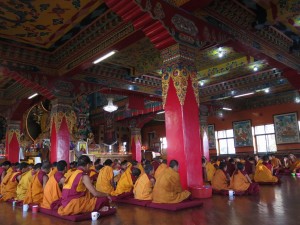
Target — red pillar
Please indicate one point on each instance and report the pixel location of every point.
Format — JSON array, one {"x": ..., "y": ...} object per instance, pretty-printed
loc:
[
  {"x": 12, "y": 141},
  {"x": 63, "y": 119},
  {"x": 180, "y": 98},
  {"x": 136, "y": 144}
]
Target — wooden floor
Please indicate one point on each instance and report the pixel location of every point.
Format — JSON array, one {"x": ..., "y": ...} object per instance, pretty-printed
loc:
[{"x": 276, "y": 205}]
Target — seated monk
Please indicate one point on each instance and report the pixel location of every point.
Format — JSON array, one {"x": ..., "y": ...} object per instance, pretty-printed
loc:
[
  {"x": 143, "y": 187},
  {"x": 258, "y": 160},
  {"x": 35, "y": 190},
  {"x": 73, "y": 167},
  {"x": 105, "y": 181},
  {"x": 24, "y": 180},
  {"x": 138, "y": 165},
  {"x": 221, "y": 178},
  {"x": 4, "y": 167},
  {"x": 93, "y": 173},
  {"x": 250, "y": 167},
  {"x": 230, "y": 167},
  {"x": 276, "y": 163},
  {"x": 264, "y": 172},
  {"x": 155, "y": 163},
  {"x": 210, "y": 169},
  {"x": 167, "y": 188},
  {"x": 294, "y": 163},
  {"x": 160, "y": 169},
  {"x": 52, "y": 189},
  {"x": 9, "y": 183},
  {"x": 79, "y": 195},
  {"x": 127, "y": 180},
  {"x": 53, "y": 170},
  {"x": 241, "y": 182}
]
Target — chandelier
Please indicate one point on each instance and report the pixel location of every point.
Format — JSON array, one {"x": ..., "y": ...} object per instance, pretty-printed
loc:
[{"x": 110, "y": 107}]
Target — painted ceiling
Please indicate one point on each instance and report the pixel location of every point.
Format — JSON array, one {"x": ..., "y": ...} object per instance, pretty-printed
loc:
[{"x": 42, "y": 23}]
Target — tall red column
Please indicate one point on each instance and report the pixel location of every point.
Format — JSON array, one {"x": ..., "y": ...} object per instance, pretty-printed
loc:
[
  {"x": 180, "y": 99},
  {"x": 12, "y": 141},
  {"x": 204, "y": 131},
  {"x": 63, "y": 119},
  {"x": 136, "y": 144}
]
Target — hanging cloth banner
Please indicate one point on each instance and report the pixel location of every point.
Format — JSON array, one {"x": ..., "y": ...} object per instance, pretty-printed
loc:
[{"x": 110, "y": 136}]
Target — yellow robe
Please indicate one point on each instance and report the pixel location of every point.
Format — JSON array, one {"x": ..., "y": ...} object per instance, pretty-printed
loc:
[
  {"x": 263, "y": 174},
  {"x": 23, "y": 185},
  {"x": 104, "y": 179},
  {"x": 52, "y": 172},
  {"x": 143, "y": 188},
  {"x": 275, "y": 162},
  {"x": 160, "y": 170},
  {"x": 210, "y": 170},
  {"x": 125, "y": 183},
  {"x": 52, "y": 193},
  {"x": 9, "y": 186},
  {"x": 35, "y": 191},
  {"x": 6, "y": 178},
  {"x": 167, "y": 188},
  {"x": 83, "y": 204},
  {"x": 219, "y": 181},
  {"x": 295, "y": 166},
  {"x": 139, "y": 166},
  {"x": 239, "y": 182},
  {"x": 69, "y": 172}
]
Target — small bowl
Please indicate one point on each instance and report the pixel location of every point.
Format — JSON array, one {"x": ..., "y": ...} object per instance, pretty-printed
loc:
[{"x": 293, "y": 174}]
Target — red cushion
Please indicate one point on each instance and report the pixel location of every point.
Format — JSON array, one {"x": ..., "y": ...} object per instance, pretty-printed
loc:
[
  {"x": 121, "y": 196},
  {"x": 268, "y": 183},
  {"x": 176, "y": 206},
  {"x": 134, "y": 201},
  {"x": 76, "y": 218}
]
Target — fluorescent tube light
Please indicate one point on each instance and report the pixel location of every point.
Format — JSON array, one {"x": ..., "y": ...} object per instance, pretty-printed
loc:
[
  {"x": 105, "y": 56},
  {"x": 238, "y": 96},
  {"x": 32, "y": 96}
]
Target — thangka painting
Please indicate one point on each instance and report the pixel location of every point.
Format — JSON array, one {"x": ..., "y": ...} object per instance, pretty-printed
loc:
[
  {"x": 242, "y": 133},
  {"x": 211, "y": 136},
  {"x": 286, "y": 128}
]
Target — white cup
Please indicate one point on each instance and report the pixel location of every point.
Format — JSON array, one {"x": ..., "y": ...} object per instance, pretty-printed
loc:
[
  {"x": 25, "y": 207},
  {"x": 231, "y": 193},
  {"x": 95, "y": 215}
]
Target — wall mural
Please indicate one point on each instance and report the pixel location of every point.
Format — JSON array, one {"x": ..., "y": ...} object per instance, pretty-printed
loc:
[
  {"x": 242, "y": 133},
  {"x": 286, "y": 128}
]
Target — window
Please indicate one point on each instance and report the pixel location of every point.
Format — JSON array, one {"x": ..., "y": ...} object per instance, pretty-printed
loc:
[
  {"x": 226, "y": 142},
  {"x": 163, "y": 143},
  {"x": 265, "y": 138}
]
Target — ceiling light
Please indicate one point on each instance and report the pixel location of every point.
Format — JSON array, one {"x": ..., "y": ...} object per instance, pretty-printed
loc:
[
  {"x": 297, "y": 100},
  {"x": 110, "y": 107},
  {"x": 227, "y": 109},
  {"x": 105, "y": 56},
  {"x": 238, "y": 96},
  {"x": 32, "y": 96},
  {"x": 201, "y": 82},
  {"x": 161, "y": 112},
  {"x": 255, "y": 68},
  {"x": 267, "y": 90}
]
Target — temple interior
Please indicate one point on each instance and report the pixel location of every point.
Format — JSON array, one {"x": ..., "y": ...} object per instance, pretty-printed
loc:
[{"x": 134, "y": 80}]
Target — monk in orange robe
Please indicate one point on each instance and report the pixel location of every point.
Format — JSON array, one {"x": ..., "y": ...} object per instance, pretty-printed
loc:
[
  {"x": 105, "y": 180},
  {"x": 138, "y": 165},
  {"x": 79, "y": 195},
  {"x": 264, "y": 172},
  {"x": 35, "y": 190},
  {"x": 93, "y": 173},
  {"x": 53, "y": 169},
  {"x": 210, "y": 169},
  {"x": 167, "y": 188},
  {"x": 143, "y": 187},
  {"x": 221, "y": 179},
  {"x": 276, "y": 163},
  {"x": 127, "y": 180},
  {"x": 294, "y": 163},
  {"x": 52, "y": 190},
  {"x": 10, "y": 182},
  {"x": 72, "y": 168},
  {"x": 160, "y": 169},
  {"x": 4, "y": 167},
  {"x": 241, "y": 182}
]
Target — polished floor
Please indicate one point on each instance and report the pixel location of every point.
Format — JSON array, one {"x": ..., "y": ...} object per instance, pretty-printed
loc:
[{"x": 276, "y": 205}]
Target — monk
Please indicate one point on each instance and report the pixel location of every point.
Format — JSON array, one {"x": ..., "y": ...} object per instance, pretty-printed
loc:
[
  {"x": 24, "y": 180},
  {"x": 52, "y": 190},
  {"x": 276, "y": 163},
  {"x": 155, "y": 163},
  {"x": 73, "y": 166},
  {"x": 264, "y": 172},
  {"x": 105, "y": 181},
  {"x": 167, "y": 188},
  {"x": 258, "y": 160},
  {"x": 250, "y": 167},
  {"x": 160, "y": 169},
  {"x": 241, "y": 182},
  {"x": 138, "y": 165},
  {"x": 79, "y": 195},
  {"x": 230, "y": 167},
  {"x": 53, "y": 170},
  {"x": 127, "y": 180},
  {"x": 210, "y": 169},
  {"x": 294, "y": 163},
  {"x": 10, "y": 182},
  {"x": 4, "y": 167},
  {"x": 93, "y": 173},
  {"x": 35, "y": 190},
  {"x": 221, "y": 178},
  {"x": 143, "y": 187}
]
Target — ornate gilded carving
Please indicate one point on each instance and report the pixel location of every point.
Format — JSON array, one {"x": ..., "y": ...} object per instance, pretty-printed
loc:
[
  {"x": 178, "y": 64},
  {"x": 185, "y": 25},
  {"x": 58, "y": 117}
]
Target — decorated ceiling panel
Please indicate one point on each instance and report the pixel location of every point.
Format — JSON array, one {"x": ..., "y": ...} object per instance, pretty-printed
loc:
[{"x": 42, "y": 23}]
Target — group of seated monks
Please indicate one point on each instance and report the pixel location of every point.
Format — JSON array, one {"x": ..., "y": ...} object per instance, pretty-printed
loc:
[
  {"x": 86, "y": 187},
  {"x": 244, "y": 175}
]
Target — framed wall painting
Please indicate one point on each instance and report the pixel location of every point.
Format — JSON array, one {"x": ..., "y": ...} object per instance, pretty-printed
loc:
[
  {"x": 82, "y": 147},
  {"x": 211, "y": 136},
  {"x": 286, "y": 128},
  {"x": 242, "y": 133}
]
